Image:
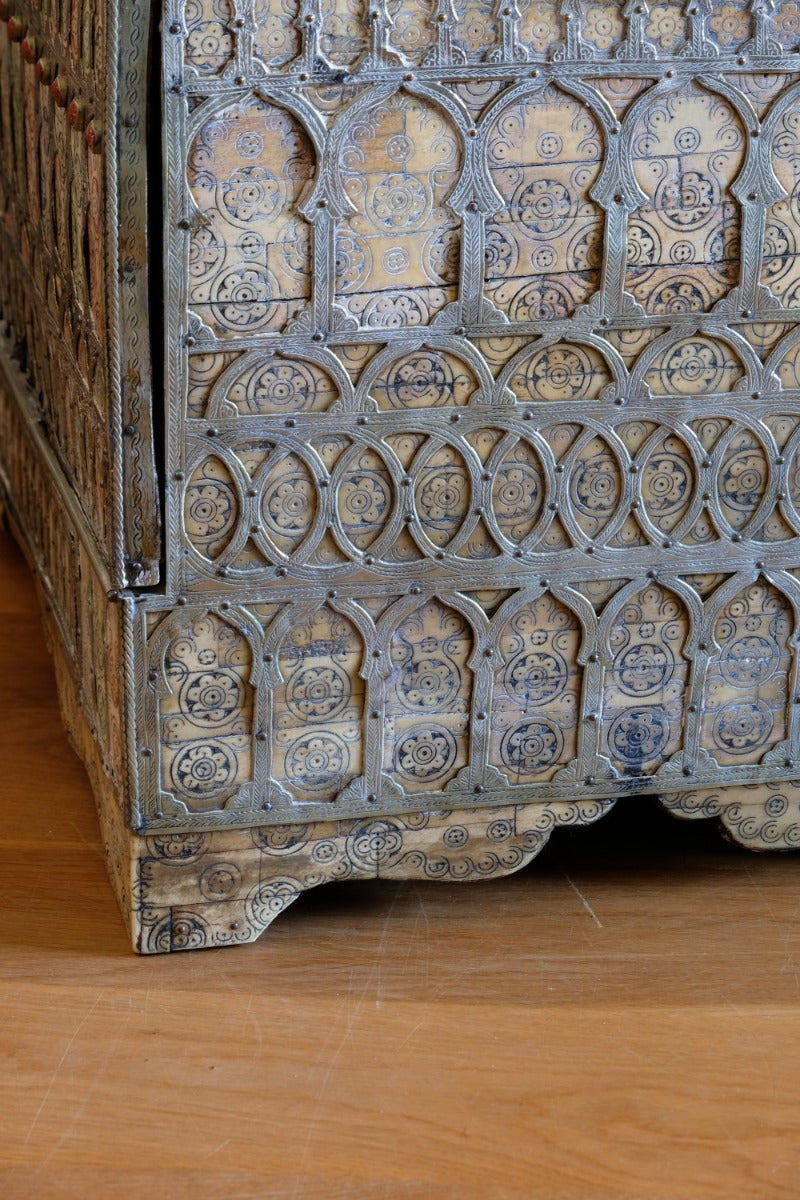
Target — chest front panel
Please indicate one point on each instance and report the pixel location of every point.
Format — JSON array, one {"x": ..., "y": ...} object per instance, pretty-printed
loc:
[{"x": 484, "y": 404}]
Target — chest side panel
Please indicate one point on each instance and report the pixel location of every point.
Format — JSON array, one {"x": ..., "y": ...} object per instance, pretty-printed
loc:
[{"x": 74, "y": 283}]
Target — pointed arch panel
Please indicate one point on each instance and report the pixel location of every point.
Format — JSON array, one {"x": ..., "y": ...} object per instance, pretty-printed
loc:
[
  {"x": 687, "y": 148},
  {"x": 645, "y": 683},
  {"x": 428, "y": 696},
  {"x": 249, "y": 252},
  {"x": 318, "y": 707},
  {"x": 397, "y": 255},
  {"x": 544, "y": 154},
  {"x": 537, "y": 691},
  {"x": 747, "y": 683},
  {"x": 205, "y": 713}
]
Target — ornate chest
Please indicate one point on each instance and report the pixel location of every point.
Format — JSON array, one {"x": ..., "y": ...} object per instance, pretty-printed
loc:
[{"x": 400, "y": 405}]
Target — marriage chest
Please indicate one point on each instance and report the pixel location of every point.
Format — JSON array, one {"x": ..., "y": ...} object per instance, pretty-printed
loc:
[{"x": 400, "y": 407}]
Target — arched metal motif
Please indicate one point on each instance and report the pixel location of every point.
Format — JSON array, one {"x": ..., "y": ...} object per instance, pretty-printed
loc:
[{"x": 484, "y": 399}]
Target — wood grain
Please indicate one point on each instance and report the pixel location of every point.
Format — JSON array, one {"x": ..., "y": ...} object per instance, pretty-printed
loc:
[{"x": 620, "y": 1022}]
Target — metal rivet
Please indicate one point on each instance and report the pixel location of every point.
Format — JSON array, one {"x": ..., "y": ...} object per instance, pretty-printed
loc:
[
  {"x": 44, "y": 70},
  {"x": 281, "y": 571}
]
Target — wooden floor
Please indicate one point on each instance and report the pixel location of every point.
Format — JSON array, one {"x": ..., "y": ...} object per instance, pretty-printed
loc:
[{"x": 620, "y": 1020}]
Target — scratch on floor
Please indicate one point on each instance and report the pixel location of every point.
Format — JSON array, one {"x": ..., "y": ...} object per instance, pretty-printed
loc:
[
  {"x": 755, "y": 885},
  {"x": 58, "y": 1067},
  {"x": 583, "y": 901}
]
